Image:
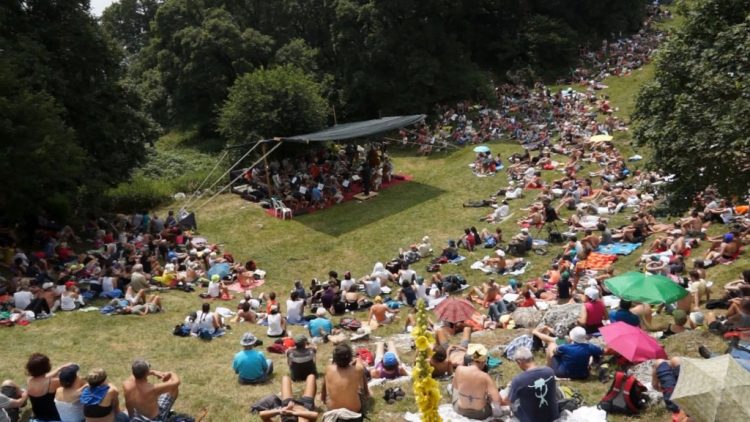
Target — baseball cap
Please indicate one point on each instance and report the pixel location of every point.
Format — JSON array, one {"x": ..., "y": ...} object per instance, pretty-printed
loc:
[
  {"x": 578, "y": 335},
  {"x": 215, "y": 277},
  {"x": 248, "y": 339},
  {"x": 728, "y": 237},
  {"x": 70, "y": 283},
  {"x": 68, "y": 374},
  {"x": 390, "y": 359},
  {"x": 592, "y": 293}
]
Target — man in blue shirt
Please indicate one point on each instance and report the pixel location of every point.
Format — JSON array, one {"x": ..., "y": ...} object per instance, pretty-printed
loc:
[
  {"x": 623, "y": 314},
  {"x": 532, "y": 394},
  {"x": 250, "y": 365},
  {"x": 572, "y": 360},
  {"x": 320, "y": 326}
]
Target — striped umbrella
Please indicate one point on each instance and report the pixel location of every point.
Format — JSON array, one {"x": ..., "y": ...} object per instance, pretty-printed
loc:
[{"x": 454, "y": 310}]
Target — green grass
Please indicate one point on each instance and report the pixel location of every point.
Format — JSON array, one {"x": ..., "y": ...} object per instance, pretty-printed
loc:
[{"x": 348, "y": 237}]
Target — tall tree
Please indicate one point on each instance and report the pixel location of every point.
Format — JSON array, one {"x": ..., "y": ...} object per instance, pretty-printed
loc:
[
  {"x": 281, "y": 101},
  {"x": 127, "y": 21},
  {"x": 694, "y": 113}
]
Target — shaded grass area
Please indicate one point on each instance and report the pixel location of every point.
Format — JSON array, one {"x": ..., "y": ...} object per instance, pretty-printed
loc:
[{"x": 352, "y": 215}]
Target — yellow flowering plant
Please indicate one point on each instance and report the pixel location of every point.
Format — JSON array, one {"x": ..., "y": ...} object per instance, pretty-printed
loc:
[{"x": 426, "y": 389}]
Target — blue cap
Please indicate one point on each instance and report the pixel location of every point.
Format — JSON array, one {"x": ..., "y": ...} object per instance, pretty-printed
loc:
[
  {"x": 390, "y": 359},
  {"x": 513, "y": 282},
  {"x": 728, "y": 237}
]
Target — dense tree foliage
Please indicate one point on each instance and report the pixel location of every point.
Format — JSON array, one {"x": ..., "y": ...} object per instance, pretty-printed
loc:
[
  {"x": 281, "y": 101},
  {"x": 61, "y": 70},
  {"x": 372, "y": 56},
  {"x": 128, "y": 22},
  {"x": 694, "y": 113}
]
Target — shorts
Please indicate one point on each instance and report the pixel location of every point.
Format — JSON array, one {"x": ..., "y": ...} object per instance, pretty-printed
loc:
[
  {"x": 555, "y": 365},
  {"x": 479, "y": 414},
  {"x": 164, "y": 403},
  {"x": 304, "y": 401}
]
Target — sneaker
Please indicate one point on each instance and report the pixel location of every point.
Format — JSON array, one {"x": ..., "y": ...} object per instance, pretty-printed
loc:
[{"x": 704, "y": 352}]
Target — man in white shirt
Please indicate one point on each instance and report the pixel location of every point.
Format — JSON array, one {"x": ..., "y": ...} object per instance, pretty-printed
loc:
[{"x": 499, "y": 213}]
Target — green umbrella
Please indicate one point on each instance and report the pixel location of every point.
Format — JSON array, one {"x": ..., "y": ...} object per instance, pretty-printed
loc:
[{"x": 651, "y": 289}]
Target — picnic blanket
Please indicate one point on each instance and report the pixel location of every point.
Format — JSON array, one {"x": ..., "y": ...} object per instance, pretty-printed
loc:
[
  {"x": 597, "y": 261},
  {"x": 447, "y": 413},
  {"x": 457, "y": 260},
  {"x": 249, "y": 285},
  {"x": 518, "y": 271},
  {"x": 400, "y": 380},
  {"x": 479, "y": 265},
  {"x": 618, "y": 248}
]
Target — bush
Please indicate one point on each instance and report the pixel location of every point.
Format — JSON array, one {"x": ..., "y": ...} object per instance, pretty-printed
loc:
[{"x": 138, "y": 194}]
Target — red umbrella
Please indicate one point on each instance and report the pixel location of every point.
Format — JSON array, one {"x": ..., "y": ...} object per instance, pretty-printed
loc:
[
  {"x": 454, "y": 310},
  {"x": 632, "y": 343}
]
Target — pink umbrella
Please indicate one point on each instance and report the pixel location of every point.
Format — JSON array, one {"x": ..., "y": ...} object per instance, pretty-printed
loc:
[
  {"x": 454, "y": 310},
  {"x": 632, "y": 343}
]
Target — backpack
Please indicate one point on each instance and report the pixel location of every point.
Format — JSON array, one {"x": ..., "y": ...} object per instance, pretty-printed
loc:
[
  {"x": 350, "y": 324},
  {"x": 568, "y": 399},
  {"x": 626, "y": 395},
  {"x": 181, "y": 330},
  {"x": 490, "y": 242}
]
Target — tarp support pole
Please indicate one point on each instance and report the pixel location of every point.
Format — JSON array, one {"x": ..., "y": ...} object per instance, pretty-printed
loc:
[{"x": 267, "y": 171}]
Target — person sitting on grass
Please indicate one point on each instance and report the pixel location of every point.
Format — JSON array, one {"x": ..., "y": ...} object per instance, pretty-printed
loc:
[
  {"x": 68, "y": 394},
  {"x": 532, "y": 394},
  {"x": 473, "y": 391},
  {"x": 321, "y": 327},
  {"x": 217, "y": 289},
  {"x": 250, "y": 365},
  {"x": 276, "y": 323},
  {"x": 380, "y": 314},
  {"x": 345, "y": 384},
  {"x": 624, "y": 314},
  {"x": 148, "y": 402},
  {"x": 42, "y": 386},
  {"x": 245, "y": 314},
  {"x": 593, "y": 311},
  {"x": 570, "y": 360},
  {"x": 293, "y": 410},
  {"x": 12, "y": 399},
  {"x": 301, "y": 359},
  {"x": 101, "y": 399},
  {"x": 664, "y": 378},
  {"x": 387, "y": 364},
  {"x": 439, "y": 362}
]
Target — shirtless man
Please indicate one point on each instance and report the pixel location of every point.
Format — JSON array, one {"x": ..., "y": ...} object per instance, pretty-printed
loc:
[
  {"x": 148, "y": 402},
  {"x": 474, "y": 392},
  {"x": 693, "y": 225},
  {"x": 345, "y": 383},
  {"x": 380, "y": 313}
]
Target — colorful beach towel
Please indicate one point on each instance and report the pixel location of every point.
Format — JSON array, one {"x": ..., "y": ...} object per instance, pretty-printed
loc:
[{"x": 618, "y": 248}]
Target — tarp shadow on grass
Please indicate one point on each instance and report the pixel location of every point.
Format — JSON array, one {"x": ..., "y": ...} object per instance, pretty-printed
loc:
[{"x": 348, "y": 216}]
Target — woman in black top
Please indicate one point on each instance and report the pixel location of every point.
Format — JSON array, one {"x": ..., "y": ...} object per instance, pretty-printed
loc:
[{"x": 42, "y": 385}]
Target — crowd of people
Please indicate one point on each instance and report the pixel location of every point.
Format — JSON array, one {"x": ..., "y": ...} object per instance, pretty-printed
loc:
[{"x": 136, "y": 257}]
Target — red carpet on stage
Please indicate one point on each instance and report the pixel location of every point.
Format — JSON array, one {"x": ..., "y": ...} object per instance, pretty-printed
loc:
[{"x": 354, "y": 189}]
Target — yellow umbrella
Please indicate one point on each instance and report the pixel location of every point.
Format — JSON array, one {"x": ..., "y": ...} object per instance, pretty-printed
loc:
[{"x": 601, "y": 138}]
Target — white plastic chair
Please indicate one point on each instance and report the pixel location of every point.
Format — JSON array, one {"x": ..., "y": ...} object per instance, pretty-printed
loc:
[{"x": 279, "y": 209}]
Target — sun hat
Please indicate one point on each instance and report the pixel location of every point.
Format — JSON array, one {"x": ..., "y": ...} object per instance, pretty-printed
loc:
[
  {"x": 390, "y": 359},
  {"x": 680, "y": 317},
  {"x": 592, "y": 293},
  {"x": 477, "y": 352},
  {"x": 578, "y": 335},
  {"x": 248, "y": 339},
  {"x": 697, "y": 317},
  {"x": 321, "y": 312}
]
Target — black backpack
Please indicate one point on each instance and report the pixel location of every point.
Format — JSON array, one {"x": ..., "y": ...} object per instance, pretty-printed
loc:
[{"x": 626, "y": 396}]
